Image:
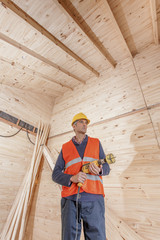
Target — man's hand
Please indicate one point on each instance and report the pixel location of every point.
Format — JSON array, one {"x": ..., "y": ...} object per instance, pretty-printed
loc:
[
  {"x": 80, "y": 177},
  {"x": 93, "y": 168}
]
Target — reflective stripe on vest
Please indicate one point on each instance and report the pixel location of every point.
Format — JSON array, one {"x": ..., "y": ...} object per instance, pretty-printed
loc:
[
  {"x": 76, "y": 160},
  {"x": 94, "y": 178},
  {"x": 89, "y": 159}
]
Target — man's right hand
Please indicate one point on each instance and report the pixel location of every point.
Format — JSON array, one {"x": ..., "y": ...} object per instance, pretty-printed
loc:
[{"x": 80, "y": 177}]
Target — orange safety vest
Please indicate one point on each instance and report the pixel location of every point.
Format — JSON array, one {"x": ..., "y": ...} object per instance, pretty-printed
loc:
[{"x": 73, "y": 165}]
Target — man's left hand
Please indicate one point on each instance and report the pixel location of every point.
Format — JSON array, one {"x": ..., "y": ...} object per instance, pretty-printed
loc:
[{"x": 93, "y": 168}]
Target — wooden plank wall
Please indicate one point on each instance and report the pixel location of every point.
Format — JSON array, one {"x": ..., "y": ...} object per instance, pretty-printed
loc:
[
  {"x": 124, "y": 108},
  {"x": 16, "y": 152}
]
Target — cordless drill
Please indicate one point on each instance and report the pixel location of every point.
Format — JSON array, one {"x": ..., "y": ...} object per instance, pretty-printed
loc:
[{"x": 109, "y": 159}]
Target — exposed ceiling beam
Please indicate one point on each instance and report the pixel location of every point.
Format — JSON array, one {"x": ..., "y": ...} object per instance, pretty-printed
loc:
[
  {"x": 38, "y": 56},
  {"x": 116, "y": 27},
  {"x": 153, "y": 8},
  {"x": 61, "y": 4},
  {"x": 33, "y": 73},
  {"x": 12, "y": 6}
]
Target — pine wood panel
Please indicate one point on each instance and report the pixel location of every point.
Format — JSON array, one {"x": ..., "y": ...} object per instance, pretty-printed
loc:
[
  {"x": 158, "y": 15},
  {"x": 44, "y": 46},
  {"x": 28, "y": 106},
  {"x": 37, "y": 45},
  {"x": 132, "y": 17},
  {"x": 116, "y": 103},
  {"x": 16, "y": 152},
  {"x": 155, "y": 115},
  {"x": 15, "y": 155},
  {"x": 148, "y": 68},
  {"x": 66, "y": 29},
  {"x": 14, "y": 74},
  {"x": 25, "y": 62},
  {"x": 125, "y": 13},
  {"x": 45, "y": 209},
  {"x": 115, "y": 93},
  {"x": 132, "y": 188}
]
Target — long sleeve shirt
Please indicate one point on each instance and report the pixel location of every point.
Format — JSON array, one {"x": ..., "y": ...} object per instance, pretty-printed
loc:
[{"x": 62, "y": 178}]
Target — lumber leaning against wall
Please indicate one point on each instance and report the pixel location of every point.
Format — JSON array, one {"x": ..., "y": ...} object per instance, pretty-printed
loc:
[
  {"x": 16, "y": 152},
  {"x": 118, "y": 101}
]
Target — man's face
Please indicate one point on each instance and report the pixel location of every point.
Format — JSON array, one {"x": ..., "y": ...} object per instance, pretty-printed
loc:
[{"x": 80, "y": 126}]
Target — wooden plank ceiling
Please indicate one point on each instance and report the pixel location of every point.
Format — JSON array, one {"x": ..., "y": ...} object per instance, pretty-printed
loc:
[{"x": 49, "y": 47}]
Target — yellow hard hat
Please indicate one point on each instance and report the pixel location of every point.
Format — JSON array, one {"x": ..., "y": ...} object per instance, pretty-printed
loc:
[{"x": 79, "y": 116}]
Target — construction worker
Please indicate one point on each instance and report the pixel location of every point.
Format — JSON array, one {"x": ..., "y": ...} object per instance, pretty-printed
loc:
[{"x": 89, "y": 205}]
